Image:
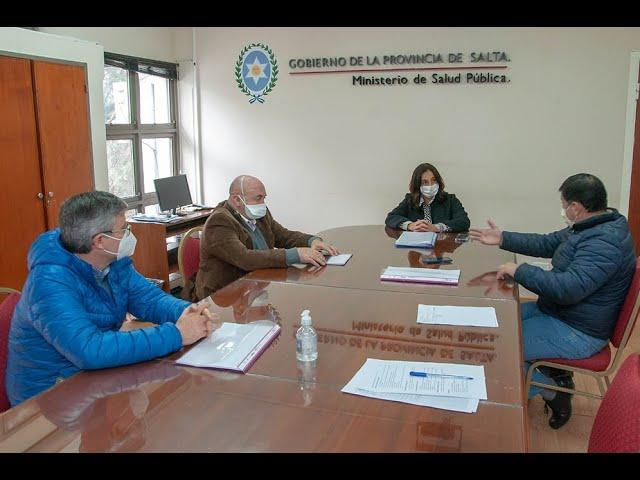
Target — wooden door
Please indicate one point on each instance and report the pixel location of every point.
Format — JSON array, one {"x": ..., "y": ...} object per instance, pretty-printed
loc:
[
  {"x": 21, "y": 211},
  {"x": 63, "y": 126},
  {"x": 634, "y": 193}
]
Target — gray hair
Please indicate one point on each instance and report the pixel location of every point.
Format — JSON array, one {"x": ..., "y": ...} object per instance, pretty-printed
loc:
[{"x": 85, "y": 215}]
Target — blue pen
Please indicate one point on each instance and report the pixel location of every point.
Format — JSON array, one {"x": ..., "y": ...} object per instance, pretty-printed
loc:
[{"x": 423, "y": 374}]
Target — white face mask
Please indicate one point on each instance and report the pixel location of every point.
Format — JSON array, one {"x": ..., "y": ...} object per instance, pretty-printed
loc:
[
  {"x": 254, "y": 212},
  {"x": 127, "y": 245},
  {"x": 563, "y": 214},
  {"x": 429, "y": 191}
]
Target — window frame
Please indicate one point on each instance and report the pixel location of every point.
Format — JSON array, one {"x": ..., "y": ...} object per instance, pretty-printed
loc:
[{"x": 138, "y": 131}]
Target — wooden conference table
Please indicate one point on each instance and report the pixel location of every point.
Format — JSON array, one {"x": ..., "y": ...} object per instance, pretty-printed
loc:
[{"x": 282, "y": 405}]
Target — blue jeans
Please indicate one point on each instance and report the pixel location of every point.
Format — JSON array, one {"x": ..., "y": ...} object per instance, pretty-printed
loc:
[{"x": 544, "y": 336}]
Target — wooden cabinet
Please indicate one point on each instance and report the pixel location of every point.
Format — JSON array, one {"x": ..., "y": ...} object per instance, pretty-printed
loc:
[{"x": 45, "y": 153}]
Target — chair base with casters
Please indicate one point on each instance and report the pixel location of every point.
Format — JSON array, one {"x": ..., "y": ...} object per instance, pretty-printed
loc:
[{"x": 599, "y": 366}]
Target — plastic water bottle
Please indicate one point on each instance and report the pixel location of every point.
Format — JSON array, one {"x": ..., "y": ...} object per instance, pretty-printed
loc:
[
  {"x": 307, "y": 380},
  {"x": 306, "y": 339}
]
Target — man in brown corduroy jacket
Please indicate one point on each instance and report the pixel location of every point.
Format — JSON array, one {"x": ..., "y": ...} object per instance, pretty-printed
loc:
[{"x": 241, "y": 236}]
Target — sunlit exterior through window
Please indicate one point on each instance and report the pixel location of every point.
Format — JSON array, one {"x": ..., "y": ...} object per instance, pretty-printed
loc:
[{"x": 140, "y": 119}]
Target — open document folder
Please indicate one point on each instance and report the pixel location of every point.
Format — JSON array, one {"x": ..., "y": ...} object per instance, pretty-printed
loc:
[
  {"x": 447, "y": 386},
  {"x": 417, "y": 240},
  {"x": 420, "y": 275},
  {"x": 232, "y": 347}
]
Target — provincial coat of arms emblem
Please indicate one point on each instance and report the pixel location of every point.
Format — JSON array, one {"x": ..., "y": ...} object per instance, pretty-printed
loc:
[{"x": 256, "y": 71}]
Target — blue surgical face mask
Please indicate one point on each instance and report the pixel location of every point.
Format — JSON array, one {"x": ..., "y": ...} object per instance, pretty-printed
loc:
[{"x": 254, "y": 212}]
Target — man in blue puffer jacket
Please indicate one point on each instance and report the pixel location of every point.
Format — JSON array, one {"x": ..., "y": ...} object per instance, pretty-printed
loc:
[
  {"x": 580, "y": 298},
  {"x": 80, "y": 286}
]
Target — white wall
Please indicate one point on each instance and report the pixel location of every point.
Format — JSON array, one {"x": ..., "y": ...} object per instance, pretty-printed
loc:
[
  {"x": 27, "y": 42},
  {"x": 188, "y": 109},
  {"x": 332, "y": 154}
]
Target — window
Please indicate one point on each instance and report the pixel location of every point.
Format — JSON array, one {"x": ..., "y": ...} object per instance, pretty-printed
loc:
[{"x": 141, "y": 122}]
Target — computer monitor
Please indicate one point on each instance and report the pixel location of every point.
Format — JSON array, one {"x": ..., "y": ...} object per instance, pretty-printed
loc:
[{"x": 173, "y": 192}]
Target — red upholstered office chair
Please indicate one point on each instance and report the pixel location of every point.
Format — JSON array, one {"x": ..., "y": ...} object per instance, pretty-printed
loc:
[
  {"x": 6, "y": 312},
  {"x": 189, "y": 254},
  {"x": 599, "y": 366},
  {"x": 617, "y": 424}
]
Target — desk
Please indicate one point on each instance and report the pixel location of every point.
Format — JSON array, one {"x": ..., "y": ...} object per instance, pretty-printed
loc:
[
  {"x": 150, "y": 258},
  {"x": 158, "y": 406},
  {"x": 373, "y": 250}
]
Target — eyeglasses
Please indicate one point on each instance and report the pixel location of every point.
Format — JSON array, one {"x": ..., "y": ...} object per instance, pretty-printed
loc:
[{"x": 127, "y": 228}]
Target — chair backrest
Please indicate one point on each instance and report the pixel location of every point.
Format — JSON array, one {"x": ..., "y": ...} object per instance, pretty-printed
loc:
[
  {"x": 629, "y": 311},
  {"x": 6, "y": 312},
  {"x": 616, "y": 427},
  {"x": 189, "y": 254}
]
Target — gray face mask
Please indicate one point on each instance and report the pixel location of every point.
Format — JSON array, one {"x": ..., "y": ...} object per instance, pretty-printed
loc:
[{"x": 127, "y": 245}]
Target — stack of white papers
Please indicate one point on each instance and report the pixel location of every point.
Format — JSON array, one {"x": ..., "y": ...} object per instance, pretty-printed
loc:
[
  {"x": 417, "y": 239},
  {"x": 448, "y": 386},
  {"x": 420, "y": 275},
  {"x": 464, "y": 316}
]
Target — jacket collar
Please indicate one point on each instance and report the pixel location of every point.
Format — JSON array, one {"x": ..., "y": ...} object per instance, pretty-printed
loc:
[
  {"x": 611, "y": 215},
  {"x": 232, "y": 211},
  {"x": 241, "y": 219},
  {"x": 422, "y": 200}
]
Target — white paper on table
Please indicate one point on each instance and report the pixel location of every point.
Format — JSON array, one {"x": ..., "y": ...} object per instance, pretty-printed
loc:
[
  {"x": 339, "y": 260},
  {"x": 465, "y": 405},
  {"x": 450, "y": 315},
  {"x": 392, "y": 376}
]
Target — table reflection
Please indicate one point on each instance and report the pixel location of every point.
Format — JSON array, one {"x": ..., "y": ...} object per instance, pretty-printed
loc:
[
  {"x": 443, "y": 436},
  {"x": 494, "y": 286},
  {"x": 108, "y": 407},
  {"x": 249, "y": 301}
]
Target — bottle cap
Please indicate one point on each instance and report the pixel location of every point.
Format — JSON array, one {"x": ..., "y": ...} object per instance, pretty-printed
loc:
[{"x": 305, "y": 318}]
